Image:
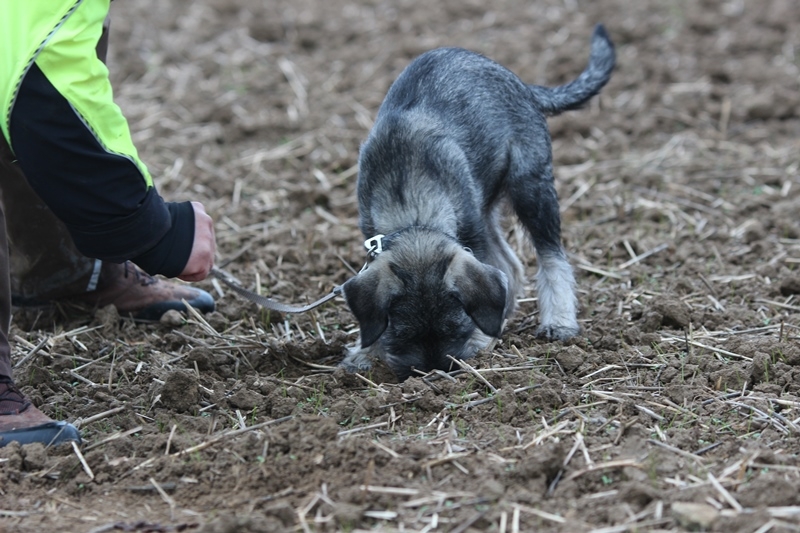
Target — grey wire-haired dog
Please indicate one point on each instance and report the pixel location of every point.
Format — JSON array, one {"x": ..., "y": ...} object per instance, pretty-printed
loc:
[{"x": 456, "y": 134}]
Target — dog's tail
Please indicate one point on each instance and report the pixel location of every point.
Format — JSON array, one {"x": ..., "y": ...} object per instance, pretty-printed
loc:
[{"x": 573, "y": 95}]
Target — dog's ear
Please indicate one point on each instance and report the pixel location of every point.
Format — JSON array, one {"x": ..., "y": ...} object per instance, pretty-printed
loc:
[
  {"x": 368, "y": 295},
  {"x": 482, "y": 290}
]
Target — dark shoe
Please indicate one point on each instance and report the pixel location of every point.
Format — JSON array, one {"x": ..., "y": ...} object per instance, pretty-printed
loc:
[
  {"x": 20, "y": 421},
  {"x": 134, "y": 293}
]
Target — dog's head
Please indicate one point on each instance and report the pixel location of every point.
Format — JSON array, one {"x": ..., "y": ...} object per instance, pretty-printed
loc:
[{"x": 424, "y": 298}]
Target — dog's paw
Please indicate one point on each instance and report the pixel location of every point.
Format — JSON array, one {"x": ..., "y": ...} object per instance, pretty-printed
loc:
[
  {"x": 357, "y": 360},
  {"x": 552, "y": 332}
]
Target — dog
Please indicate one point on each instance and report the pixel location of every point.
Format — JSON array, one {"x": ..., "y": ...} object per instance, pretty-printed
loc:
[{"x": 456, "y": 136}]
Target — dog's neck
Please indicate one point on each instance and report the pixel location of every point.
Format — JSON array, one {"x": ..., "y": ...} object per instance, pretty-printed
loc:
[{"x": 381, "y": 243}]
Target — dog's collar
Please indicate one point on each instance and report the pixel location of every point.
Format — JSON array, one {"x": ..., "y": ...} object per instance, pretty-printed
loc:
[
  {"x": 374, "y": 245},
  {"x": 380, "y": 243}
]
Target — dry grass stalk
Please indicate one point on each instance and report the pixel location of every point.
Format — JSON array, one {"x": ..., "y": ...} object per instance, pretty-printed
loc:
[
  {"x": 166, "y": 497},
  {"x": 15, "y": 514},
  {"x": 169, "y": 439},
  {"x": 381, "y": 515},
  {"x": 289, "y": 383},
  {"x": 600, "y": 371},
  {"x": 298, "y": 146},
  {"x": 608, "y": 465},
  {"x": 436, "y": 501},
  {"x": 642, "y": 256},
  {"x": 386, "y": 449},
  {"x": 675, "y": 450},
  {"x": 778, "y": 304},
  {"x": 99, "y": 416},
  {"x": 229, "y": 434},
  {"x": 92, "y": 362},
  {"x": 575, "y": 447},
  {"x": 633, "y": 525},
  {"x": 541, "y": 514},
  {"x": 469, "y": 368},
  {"x": 35, "y": 350},
  {"x": 716, "y": 350},
  {"x": 114, "y": 436},
  {"x": 546, "y": 433},
  {"x": 362, "y": 428},
  {"x": 200, "y": 319},
  {"x": 295, "y": 81},
  {"x": 89, "y": 382},
  {"x": 604, "y": 395},
  {"x": 481, "y": 401},
  {"x": 394, "y": 491},
  {"x": 446, "y": 459},
  {"x": 82, "y": 459},
  {"x": 582, "y": 190},
  {"x": 724, "y": 493},
  {"x": 598, "y": 271},
  {"x": 652, "y": 414},
  {"x": 369, "y": 382}
]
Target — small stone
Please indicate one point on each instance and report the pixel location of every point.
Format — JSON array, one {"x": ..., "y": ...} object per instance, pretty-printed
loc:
[
  {"x": 181, "y": 391},
  {"x": 637, "y": 493},
  {"x": 35, "y": 456},
  {"x": 245, "y": 399},
  {"x": 694, "y": 516},
  {"x": 108, "y": 317},
  {"x": 172, "y": 318},
  {"x": 570, "y": 358},
  {"x": 493, "y": 489},
  {"x": 755, "y": 232},
  {"x": 762, "y": 363},
  {"x": 283, "y": 512},
  {"x": 760, "y": 106},
  {"x": 790, "y": 285},
  {"x": 348, "y": 515},
  {"x": 674, "y": 313}
]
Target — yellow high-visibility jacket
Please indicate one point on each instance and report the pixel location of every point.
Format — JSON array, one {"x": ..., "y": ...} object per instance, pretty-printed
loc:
[{"x": 73, "y": 143}]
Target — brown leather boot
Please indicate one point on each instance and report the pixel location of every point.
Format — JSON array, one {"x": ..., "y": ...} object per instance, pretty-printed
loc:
[
  {"x": 140, "y": 295},
  {"x": 20, "y": 421},
  {"x": 132, "y": 291}
]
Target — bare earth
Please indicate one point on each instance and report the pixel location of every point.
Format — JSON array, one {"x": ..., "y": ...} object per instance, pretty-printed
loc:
[{"x": 680, "y": 196}]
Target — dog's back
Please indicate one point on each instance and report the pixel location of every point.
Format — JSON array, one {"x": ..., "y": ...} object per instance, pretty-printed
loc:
[
  {"x": 475, "y": 105},
  {"x": 459, "y": 82}
]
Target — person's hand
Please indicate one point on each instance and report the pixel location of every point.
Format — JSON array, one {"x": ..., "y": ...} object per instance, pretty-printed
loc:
[{"x": 205, "y": 246}]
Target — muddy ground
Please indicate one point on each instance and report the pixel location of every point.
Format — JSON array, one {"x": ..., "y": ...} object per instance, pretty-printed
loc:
[{"x": 677, "y": 408}]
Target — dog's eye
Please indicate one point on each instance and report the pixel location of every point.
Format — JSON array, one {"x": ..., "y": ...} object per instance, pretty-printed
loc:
[{"x": 468, "y": 249}]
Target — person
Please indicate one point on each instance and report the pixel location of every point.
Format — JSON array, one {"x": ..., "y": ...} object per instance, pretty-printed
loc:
[{"x": 80, "y": 218}]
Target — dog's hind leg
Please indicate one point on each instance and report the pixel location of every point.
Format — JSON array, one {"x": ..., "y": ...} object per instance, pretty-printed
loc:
[
  {"x": 535, "y": 201},
  {"x": 558, "y": 306}
]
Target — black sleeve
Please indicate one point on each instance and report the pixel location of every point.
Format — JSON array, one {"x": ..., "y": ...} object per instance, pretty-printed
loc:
[
  {"x": 170, "y": 255},
  {"x": 101, "y": 197}
]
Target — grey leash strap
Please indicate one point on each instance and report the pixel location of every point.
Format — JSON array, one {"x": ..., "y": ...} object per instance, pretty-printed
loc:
[{"x": 269, "y": 303}]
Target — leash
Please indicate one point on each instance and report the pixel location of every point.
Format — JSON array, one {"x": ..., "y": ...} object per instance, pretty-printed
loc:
[
  {"x": 269, "y": 303},
  {"x": 374, "y": 246}
]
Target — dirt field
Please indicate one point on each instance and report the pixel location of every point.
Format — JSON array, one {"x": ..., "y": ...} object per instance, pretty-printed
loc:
[{"x": 678, "y": 408}]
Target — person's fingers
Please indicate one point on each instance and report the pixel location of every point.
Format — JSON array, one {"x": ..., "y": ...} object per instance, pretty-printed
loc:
[{"x": 201, "y": 259}]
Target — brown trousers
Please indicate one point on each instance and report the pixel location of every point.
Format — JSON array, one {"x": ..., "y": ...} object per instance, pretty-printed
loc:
[
  {"x": 38, "y": 260},
  {"x": 5, "y": 301}
]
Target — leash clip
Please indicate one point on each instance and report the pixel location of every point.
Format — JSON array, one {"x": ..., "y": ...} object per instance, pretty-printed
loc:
[{"x": 374, "y": 245}]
